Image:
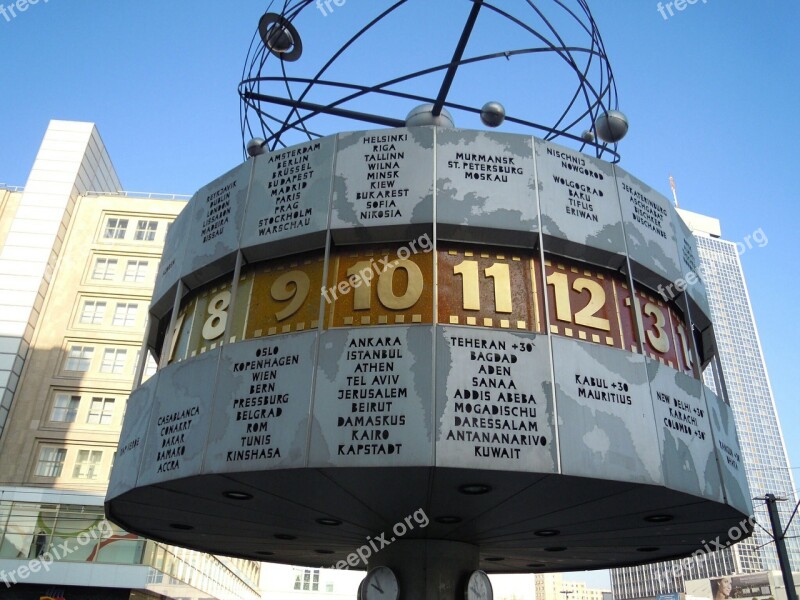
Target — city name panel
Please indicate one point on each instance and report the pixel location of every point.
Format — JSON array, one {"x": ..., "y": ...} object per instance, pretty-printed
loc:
[{"x": 466, "y": 322}]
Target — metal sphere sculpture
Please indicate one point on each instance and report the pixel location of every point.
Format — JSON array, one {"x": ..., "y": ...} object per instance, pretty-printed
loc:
[
  {"x": 611, "y": 126},
  {"x": 255, "y": 147},
  {"x": 493, "y": 114},
  {"x": 316, "y": 66},
  {"x": 423, "y": 115}
]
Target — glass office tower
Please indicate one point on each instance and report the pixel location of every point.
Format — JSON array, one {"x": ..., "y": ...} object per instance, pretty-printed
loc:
[{"x": 764, "y": 452}]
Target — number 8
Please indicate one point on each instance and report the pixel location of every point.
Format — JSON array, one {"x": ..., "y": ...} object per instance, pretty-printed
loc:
[{"x": 218, "y": 316}]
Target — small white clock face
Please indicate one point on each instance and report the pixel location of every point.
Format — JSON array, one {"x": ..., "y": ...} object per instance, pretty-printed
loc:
[
  {"x": 380, "y": 584},
  {"x": 479, "y": 587}
]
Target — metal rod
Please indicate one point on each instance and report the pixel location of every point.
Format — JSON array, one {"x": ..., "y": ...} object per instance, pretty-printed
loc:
[
  {"x": 780, "y": 546},
  {"x": 794, "y": 512},
  {"x": 328, "y": 110},
  {"x": 378, "y": 90},
  {"x": 457, "y": 55}
]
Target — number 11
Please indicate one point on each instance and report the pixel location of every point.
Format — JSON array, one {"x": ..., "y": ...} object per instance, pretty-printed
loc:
[{"x": 498, "y": 272}]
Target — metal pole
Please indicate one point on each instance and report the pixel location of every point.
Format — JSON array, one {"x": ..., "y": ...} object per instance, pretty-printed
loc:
[
  {"x": 325, "y": 109},
  {"x": 457, "y": 56},
  {"x": 780, "y": 546}
]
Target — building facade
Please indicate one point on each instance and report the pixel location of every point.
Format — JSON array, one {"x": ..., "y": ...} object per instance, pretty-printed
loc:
[
  {"x": 764, "y": 452},
  {"x": 285, "y": 582},
  {"x": 78, "y": 261},
  {"x": 553, "y": 586},
  {"x": 513, "y": 587}
]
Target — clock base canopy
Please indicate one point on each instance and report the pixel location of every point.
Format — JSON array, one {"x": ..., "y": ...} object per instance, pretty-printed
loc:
[{"x": 351, "y": 518}]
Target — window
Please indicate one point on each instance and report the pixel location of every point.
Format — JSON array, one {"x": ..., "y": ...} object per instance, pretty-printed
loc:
[
  {"x": 136, "y": 271},
  {"x": 146, "y": 231},
  {"x": 65, "y": 408},
  {"x": 115, "y": 229},
  {"x": 101, "y": 411},
  {"x": 307, "y": 581},
  {"x": 150, "y": 365},
  {"x": 87, "y": 466},
  {"x": 79, "y": 358},
  {"x": 93, "y": 312},
  {"x": 104, "y": 269},
  {"x": 51, "y": 462},
  {"x": 114, "y": 360},
  {"x": 125, "y": 314}
]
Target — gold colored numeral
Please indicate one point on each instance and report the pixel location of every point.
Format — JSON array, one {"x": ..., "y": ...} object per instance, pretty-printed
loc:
[
  {"x": 501, "y": 275},
  {"x": 173, "y": 342},
  {"x": 292, "y": 287},
  {"x": 659, "y": 339},
  {"x": 362, "y": 300},
  {"x": 471, "y": 295},
  {"x": 687, "y": 355},
  {"x": 280, "y": 297},
  {"x": 498, "y": 272},
  {"x": 413, "y": 290},
  {"x": 587, "y": 316},
  {"x": 218, "y": 315},
  {"x": 361, "y": 295},
  {"x": 560, "y": 283}
]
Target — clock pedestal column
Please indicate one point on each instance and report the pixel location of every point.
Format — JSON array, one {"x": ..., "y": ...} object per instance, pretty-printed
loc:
[{"x": 429, "y": 569}]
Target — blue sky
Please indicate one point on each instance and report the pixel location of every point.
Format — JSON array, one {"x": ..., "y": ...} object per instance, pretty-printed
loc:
[{"x": 711, "y": 94}]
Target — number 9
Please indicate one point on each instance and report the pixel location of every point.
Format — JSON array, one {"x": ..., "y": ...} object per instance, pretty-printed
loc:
[{"x": 293, "y": 286}]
